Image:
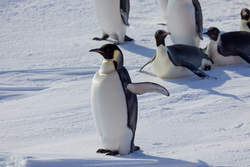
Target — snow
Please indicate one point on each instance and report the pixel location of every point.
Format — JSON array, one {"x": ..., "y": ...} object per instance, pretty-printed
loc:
[{"x": 46, "y": 73}]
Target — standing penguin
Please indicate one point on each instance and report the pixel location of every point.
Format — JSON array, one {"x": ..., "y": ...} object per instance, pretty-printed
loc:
[
  {"x": 112, "y": 16},
  {"x": 228, "y": 48},
  {"x": 245, "y": 20},
  {"x": 163, "y": 4},
  {"x": 184, "y": 21},
  {"x": 178, "y": 60},
  {"x": 114, "y": 102}
]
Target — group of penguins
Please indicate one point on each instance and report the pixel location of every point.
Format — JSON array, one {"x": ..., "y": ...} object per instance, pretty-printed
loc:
[{"x": 114, "y": 96}]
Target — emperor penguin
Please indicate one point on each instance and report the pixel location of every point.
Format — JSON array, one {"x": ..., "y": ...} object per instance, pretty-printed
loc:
[
  {"x": 114, "y": 102},
  {"x": 185, "y": 22},
  {"x": 163, "y": 4},
  {"x": 245, "y": 20},
  {"x": 178, "y": 60},
  {"x": 228, "y": 48},
  {"x": 112, "y": 16}
]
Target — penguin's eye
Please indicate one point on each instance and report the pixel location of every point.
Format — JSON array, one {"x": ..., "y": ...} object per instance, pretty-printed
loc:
[{"x": 107, "y": 50}]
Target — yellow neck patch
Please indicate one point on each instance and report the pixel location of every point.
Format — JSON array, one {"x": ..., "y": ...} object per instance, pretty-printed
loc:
[{"x": 114, "y": 54}]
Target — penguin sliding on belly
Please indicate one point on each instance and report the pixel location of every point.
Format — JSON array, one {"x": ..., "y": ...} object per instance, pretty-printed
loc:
[
  {"x": 245, "y": 20},
  {"x": 112, "y": 16},
  {"x": 178, "y": 60},
  {"x": 184, "y": 21},
  {"x": 163, "y": 4},
  {"x": 228, "y": 48},
  {"x": 114, "y": 102}
]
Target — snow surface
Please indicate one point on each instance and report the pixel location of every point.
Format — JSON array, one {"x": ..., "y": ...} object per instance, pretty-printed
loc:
[{"x": 46, "y": 73}]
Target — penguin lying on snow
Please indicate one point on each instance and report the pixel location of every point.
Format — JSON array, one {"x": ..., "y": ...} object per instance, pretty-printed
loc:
[
  {"x": 178, "y": 60},
  {"x": 114, "y": 102},
  {"x": 185, "y": 22},
  {"x": 112, "y": 16},
  {"x": 228, "y": 48},
  {"x": 245, "y": 20}
]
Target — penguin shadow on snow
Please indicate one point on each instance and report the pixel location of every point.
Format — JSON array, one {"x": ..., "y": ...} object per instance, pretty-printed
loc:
[
  {"x": 148, "y": 73},
  {"x": 136, "y": 159},
  {"x": 243, "y": 70},
  {"x": 8, "y": 90},
  {"x": 138, "y": 49},
  {"x": 161, "y": 161}
]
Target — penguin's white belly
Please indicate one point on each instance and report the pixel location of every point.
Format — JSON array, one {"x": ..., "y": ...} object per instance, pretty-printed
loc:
[
  {"x": 163, "y": 7},
  {"x": 164, "y": 68},
  {"x": 181, "y": 22},
  {"x": 218, "y": 59},
  {"x": 109, "y": 17},
  {"x": 110, "y": 112},
  {"x": 243, "y": 26}
]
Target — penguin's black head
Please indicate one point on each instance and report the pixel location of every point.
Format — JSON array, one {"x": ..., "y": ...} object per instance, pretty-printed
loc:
[
  {"x": 111, "y": 52},
  {"x": 245, "y": 14},
  {"x": 213, "y": 33},
  {"x": 160, "y": 36}
]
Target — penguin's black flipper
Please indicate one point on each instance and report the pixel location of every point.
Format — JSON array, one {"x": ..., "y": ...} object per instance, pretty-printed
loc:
[
  {"x": 146, "y": 87},
  {"x": 196, "y": 71},
  {"x": 124, "y": 9},
  {"x": 248, "y": 24},
  {"x": 242, "y": 55},
  {"x": 148, "y": 62},
  {"x": 104, "y": 37},
  {"x": 126, "y": 38},
  {"x": 198, "y": 18}
]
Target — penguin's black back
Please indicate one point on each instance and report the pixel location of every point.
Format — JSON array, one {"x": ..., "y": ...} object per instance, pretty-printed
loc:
[
  {"x": 131, "y": 100},
  {"x": 185, "y": 53},
  {"x": 231, "y": 41}
]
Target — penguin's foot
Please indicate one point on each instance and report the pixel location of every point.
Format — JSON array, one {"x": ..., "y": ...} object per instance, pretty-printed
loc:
[
  {"x": 104, "y": 37},
  {"x": 107, "y": 152},
  {"x": 163, "y": 24},
  {"x": 207, "y": 68},
  {"x": 126, "y": 38},
  {"x": 136, "y": 148},
  {"x": 113, "y": 153},
  {"x": 102, "y": 151}
]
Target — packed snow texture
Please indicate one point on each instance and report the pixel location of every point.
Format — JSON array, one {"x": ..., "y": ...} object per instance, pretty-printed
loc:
[{"x": 46, "y": 73}]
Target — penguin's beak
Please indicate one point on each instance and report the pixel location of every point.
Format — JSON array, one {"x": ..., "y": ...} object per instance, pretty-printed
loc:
[
  {"x": 167, "y": 33},
  {"x": 104, "y": 54},
  {"x": 96, "y": 50},
  {"x": 205, "y": 33}
]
